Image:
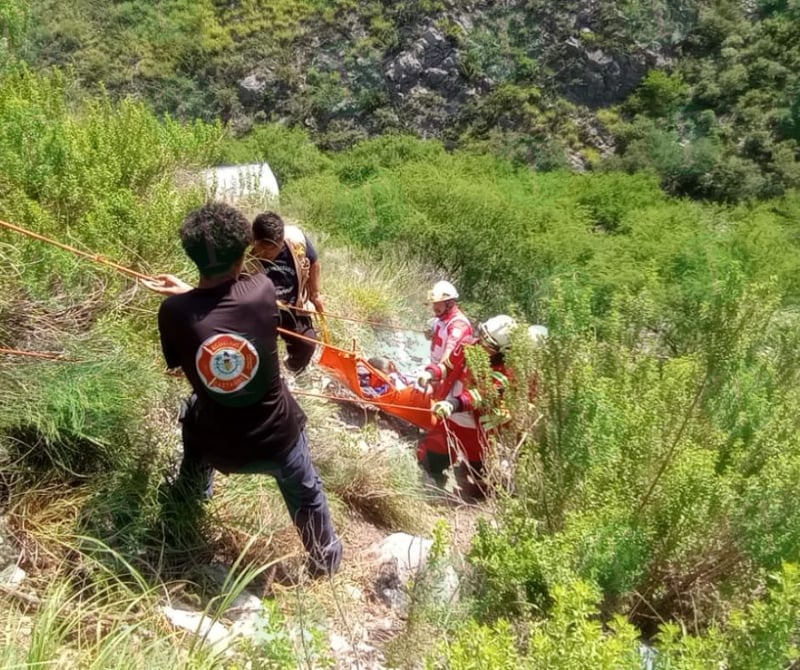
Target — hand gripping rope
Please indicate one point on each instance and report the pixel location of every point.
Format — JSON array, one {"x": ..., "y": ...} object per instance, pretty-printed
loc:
[{"x": 97, "y": 258}]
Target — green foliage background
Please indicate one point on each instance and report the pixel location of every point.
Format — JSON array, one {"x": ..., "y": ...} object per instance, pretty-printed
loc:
[
  {"x": 716, "y": 115},
  {"x": 655, "y": 477}
]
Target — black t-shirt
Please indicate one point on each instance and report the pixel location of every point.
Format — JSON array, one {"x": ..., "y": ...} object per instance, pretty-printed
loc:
[
  {"x": 225, "y": 340},
  {"x": 281, "y": 270}
]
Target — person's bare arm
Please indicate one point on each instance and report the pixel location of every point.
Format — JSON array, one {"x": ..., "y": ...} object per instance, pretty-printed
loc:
[{"x": 314, "y": 282}]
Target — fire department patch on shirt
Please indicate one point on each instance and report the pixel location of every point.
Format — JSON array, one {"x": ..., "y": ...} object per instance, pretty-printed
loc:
[{"x": 226, "y": 363}]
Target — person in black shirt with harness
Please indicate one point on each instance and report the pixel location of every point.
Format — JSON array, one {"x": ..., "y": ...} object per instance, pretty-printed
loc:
[{"x": 291, "y": 262}]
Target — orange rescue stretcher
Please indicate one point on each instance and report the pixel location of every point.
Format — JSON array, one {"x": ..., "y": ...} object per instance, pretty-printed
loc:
[{"x": 408, "y": 403}]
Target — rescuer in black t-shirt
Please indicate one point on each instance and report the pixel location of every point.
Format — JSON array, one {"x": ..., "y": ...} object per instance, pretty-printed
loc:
[{"x": 223, "y": 336}]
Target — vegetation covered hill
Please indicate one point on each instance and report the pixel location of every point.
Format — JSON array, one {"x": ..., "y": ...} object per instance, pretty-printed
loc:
[
  {"x": 703, "y": 93},
  {"x": 648, "y": 496}
]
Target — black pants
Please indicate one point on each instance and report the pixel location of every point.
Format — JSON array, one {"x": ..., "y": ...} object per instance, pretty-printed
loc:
[
  {"x": 302, "y": 492},
  {"x": 299, "y": 351}
]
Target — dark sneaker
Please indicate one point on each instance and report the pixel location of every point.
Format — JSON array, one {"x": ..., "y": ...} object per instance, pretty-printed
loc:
[{"x": 328, "y": 564}]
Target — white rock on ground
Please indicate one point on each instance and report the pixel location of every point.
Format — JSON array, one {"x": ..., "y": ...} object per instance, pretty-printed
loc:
[
  {"x": 213, "y": 632},
  {"x": 409, "y": 551},
  {"x": 400, "y": 558}
]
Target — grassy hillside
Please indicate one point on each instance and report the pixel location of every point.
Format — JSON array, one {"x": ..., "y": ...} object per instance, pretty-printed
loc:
[{"x": 648, "y": 495}]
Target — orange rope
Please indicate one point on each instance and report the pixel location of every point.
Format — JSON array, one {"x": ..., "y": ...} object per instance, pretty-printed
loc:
[
  {"x": 360, "y": 401},
  {"x": 97, "y": 258},
  {"x": 291, "y": 333},
  {"x": 377, "y": 324},
  {"x": 51, "y": 356}
]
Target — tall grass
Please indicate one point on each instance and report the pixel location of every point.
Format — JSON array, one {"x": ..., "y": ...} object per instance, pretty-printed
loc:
[{"x": 115, "y": 621}]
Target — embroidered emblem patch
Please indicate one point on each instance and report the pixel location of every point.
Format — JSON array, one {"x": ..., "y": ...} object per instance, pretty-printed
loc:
[{"x": 226, "y": 363}]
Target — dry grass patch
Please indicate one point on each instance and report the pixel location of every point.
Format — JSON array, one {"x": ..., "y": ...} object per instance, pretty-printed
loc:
[{"x": 381, "y": 481}]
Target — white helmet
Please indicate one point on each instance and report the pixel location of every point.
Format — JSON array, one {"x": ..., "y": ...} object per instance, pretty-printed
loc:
[
  {"x": 497, "y": 331},
  {"x": 537, "y": 334},
  {"x": 442, "y": 290}
]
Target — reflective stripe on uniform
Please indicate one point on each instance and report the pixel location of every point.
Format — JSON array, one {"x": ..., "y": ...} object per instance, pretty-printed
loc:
[
  {"x": 475, "y": 397},
  {"x": 500, "y": 379}
]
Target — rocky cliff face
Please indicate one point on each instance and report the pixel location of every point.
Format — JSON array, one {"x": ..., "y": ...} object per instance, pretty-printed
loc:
[{"x": 433, "y": 68}]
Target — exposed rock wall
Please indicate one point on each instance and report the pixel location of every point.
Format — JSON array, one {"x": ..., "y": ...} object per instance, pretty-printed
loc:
[{"x": 437, "y": 65}]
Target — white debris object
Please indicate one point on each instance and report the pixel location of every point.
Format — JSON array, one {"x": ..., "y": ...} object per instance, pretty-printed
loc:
[
  {"x": 232, "y": 182},
  {"x": 213, "y": 632}
]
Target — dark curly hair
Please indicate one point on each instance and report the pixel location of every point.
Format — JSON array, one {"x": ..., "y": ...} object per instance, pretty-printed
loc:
[
  {"x": 268, "y": 226},
  {"x": 215, "y": 237}
]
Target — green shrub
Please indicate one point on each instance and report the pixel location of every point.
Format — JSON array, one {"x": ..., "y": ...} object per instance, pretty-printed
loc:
[
  {"x": 660, "y": 94},
  {"x": 289, "y": 151},
  {"x": 78, "y": 417},
  {"x": 476, "y": 647},
  {"x": 14, "y": 17},
  {"x": 508, "y": 578}
]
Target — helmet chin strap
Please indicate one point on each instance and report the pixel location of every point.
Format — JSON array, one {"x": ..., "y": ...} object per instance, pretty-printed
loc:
[{"x": 448, "y": 308}]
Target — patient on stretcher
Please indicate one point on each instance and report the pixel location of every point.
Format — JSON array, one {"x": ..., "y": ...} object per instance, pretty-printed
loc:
[{"x": 375, "y": 385}]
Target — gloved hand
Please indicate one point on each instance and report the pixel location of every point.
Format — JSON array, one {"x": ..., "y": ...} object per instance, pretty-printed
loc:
[
  {"x": 424, "y": 379},
  {"x": 443, "y": 409}
]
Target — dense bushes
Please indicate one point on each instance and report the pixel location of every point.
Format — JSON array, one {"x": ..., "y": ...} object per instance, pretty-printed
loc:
[
  {"x": 289, "y": 152},
  {"x": 100, "y": 177},
  {"x": 98, "y": 174},
  {"x": 724, "y": 125},
  {"x": 758, "y": 636},
  {"x": 505, "y": 233},
  {"x": 639, "y": 494}
]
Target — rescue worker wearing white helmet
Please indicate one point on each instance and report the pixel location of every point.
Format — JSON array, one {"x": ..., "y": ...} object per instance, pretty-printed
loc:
[
  {"x": 449, "y": 329},
  {"x": 465, "y": 412}
]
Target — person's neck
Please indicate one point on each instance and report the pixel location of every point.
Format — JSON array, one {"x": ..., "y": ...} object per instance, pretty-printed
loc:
[
  {"x": 211, "y": 282},
  {"x": 448, "y": 312}
]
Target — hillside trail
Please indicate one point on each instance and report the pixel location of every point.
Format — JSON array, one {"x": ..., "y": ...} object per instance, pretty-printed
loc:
[{"x": 365, "y": 623}]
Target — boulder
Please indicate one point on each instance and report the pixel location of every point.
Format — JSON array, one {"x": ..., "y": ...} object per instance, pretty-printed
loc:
[
  {"x": 596, "y": 77},
  {"x": 252, "y": 90},
  {"x": 402, "y": 560}
]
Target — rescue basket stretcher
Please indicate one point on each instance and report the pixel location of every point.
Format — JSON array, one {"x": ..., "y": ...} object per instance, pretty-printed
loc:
[{"x": 408, "y": 403}]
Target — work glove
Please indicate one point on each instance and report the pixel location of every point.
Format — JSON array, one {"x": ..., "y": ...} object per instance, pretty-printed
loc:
[
  {"x": 443, "y": 409},
  {"x": 424, "y": 379}
]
